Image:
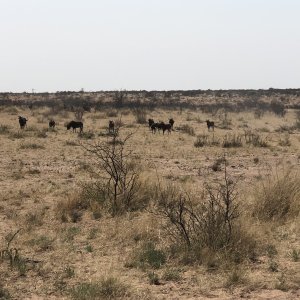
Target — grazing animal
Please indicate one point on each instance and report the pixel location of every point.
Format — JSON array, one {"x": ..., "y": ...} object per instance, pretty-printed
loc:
[
  {"x": 74, "y": 125},
  {"x": 51, "y": 124},
  {"x": 210, "y": 124},
  {"x": 150, "y": 122},
  {"x": 166, "y": 127},
  {"x": 171, "y": 122},
  {"x": 22, "y": 122},
  {"x": 153, "y": 127},
  {"x": 111, "y": 126},
  {"x": 160, "y": 126}
]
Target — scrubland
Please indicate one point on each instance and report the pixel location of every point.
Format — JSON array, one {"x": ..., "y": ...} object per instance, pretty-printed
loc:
[{"x": 194, "y": 214}]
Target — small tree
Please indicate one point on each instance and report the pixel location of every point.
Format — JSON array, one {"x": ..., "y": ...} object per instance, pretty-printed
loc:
[
  {"x": 119, "y": 181},
  {"x": 78, "y": 113},
  {"x": 119, "y": 98}
]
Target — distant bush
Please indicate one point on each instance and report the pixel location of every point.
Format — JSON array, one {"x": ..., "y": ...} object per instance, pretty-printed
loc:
[
  {"x": 255, "y": 139},
  {"x": 277, "y": 107},
  {"x": 206, "y": 140},
  {"x": 4, "y": 129},
  {"x": 88, "y": 135},
  {"x": 232, "y": 141},
  {"x": 187, "y": 129},
  {"x": 140, "y": 116},
  {"x": 112, "y": 114}
]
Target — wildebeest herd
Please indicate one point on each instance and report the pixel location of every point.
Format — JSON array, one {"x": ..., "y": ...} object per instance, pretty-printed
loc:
[
  {"x": 153, "y": 126},
  {"x": 161, "y": 126}
]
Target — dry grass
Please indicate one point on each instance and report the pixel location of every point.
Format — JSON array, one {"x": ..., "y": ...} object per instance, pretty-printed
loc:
[{"x": 71, "y": 247}]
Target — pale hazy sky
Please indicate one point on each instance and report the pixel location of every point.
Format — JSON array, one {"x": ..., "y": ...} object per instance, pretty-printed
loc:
[{"x": 53, "y": 45}]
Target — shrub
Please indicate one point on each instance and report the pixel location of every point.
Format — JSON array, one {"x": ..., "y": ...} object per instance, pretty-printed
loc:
[
  {"x": 234, "y": 278},
  {"x": 254, "y": 139},
  {"x": 295, "y": 255},
  {"x": 4, "y": 129},
  {"x": 187, "y": 129},
  {"x": 4, "y": 294},
  {"x": 232, "y": 141},
  {"x": 153, "y": 278},
  {"x": 86, "y": 135},
  {"x": 273, "y": 266},
  {"x": 120, "y": 183},
  {"x": 140, "y": 116},
  {"x": 285, "y": 141},
  {"x": 216, "y": 166},
  {"x": 206, "y": 140},
  {"x": 17, "y": 135},
  {"x": 150, "y": 256},
  {"x": 171, "y": 275},
  {"x": 258, "y": 113},
  {"x": 207, "y": 223},
  {"x": 278, "y": 197},
  {"x": 112, "y": 114},
  {"x": 108, "y": 288},
  {"x": 33, "y": 146},
  {"x": 277, "y": 107},
  {"x": 41, "y": 134}
]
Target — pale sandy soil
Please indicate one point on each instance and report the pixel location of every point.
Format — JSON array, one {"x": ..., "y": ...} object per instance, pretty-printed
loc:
[{"x": 33, "y": 181}]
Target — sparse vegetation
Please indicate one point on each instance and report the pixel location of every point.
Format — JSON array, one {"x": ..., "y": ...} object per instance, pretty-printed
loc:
[
  {"x": 107, "y": 288},
  {"x": 278, "y": 197},
  {"x": 181, "y": 225}
]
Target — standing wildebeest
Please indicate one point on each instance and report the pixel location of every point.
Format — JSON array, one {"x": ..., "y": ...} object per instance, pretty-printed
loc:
[
  {"x": 51, "y": 124},
  {"x": 111, "y": 126},
  {"x": 153, "y": 127},
  {"x": 171, "y": 122},
  {"x": 74, "y": 125},
  {"x": 150, "y": 122},
  {"x": 166, "y": 127},
  {"x": 22, "y": 122},
  {"x": 160, "y": 125},
  {"x": 210, "y": 124}
]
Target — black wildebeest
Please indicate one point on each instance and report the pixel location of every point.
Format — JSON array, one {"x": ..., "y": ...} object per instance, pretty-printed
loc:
[
  {"x": 22, "y": 122},
  {"x": 74, "y": 125},
  {"x": 171, "y": 122},
  {"x": 210, "y": 124},
  {"x": 166, "y": 127},
  {"x": 51, "y": 124},
  {"x": 150, "y": 122},
  {"x": 111, "y": 126}
]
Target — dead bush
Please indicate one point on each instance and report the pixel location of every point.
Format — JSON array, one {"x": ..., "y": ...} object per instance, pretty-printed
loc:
[
  {"x": 208, "y": 221},
  {"x": 119, "y": 180}
]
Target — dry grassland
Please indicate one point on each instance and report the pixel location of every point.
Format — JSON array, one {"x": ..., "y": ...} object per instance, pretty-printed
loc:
[{"x": 72, "y": 247}]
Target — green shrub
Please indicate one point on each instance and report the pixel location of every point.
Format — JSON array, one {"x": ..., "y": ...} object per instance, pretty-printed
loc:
[{"x": 150, "y": 256}]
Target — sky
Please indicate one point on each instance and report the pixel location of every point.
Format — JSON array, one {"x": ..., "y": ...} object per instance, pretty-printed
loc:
[{"x": 68, "y": 45}]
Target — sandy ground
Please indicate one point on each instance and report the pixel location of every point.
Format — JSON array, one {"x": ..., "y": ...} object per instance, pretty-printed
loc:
[{"x": 38, "y": 172}]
